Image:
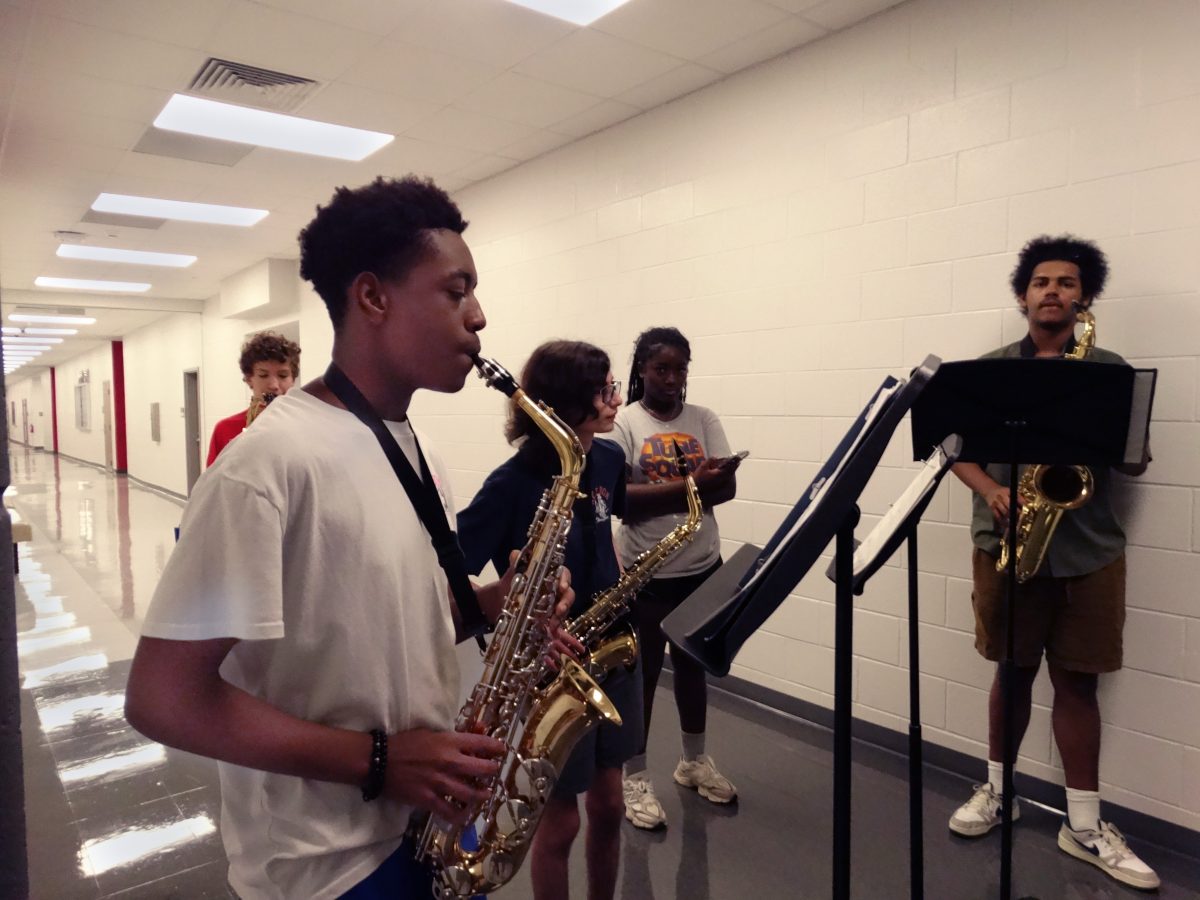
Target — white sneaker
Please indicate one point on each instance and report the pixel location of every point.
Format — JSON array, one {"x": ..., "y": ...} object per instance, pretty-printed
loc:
[
  {"x": 981, "y": 813},
  {"x": 641, "y": 806},
  {"x": 702, "y": 775},
  {"x": 1107, "y": 851}
]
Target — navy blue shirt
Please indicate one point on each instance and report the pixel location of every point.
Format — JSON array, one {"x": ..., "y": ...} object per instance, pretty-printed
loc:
[{"x": 497, "y": 521}]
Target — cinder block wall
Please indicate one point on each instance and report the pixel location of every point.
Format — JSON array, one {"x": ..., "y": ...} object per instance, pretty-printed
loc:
[{"x": 833, "y": 216}]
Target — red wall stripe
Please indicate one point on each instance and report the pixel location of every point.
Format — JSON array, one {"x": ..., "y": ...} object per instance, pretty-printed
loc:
[{"x": 118, "y": 361}]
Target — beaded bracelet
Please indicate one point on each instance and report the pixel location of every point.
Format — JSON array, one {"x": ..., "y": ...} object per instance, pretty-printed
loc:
[{"x": 377, "y": 772}]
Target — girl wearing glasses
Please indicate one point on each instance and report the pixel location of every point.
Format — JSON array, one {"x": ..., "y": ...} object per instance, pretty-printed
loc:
[
  {"x": 657, "y": 418},
  {"x": 576, "y": 379}
]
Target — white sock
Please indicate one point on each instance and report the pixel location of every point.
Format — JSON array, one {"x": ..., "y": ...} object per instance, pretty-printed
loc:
[
  {"x": 996, "y": 777},
  {"x": 635, "y": 765},
  {"x": 693, "y": 745},
  {"x": 1083, "y": 809}
]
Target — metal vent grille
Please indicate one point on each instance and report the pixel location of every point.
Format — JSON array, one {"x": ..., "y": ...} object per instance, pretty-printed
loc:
[{"x": 221, "y": 79}]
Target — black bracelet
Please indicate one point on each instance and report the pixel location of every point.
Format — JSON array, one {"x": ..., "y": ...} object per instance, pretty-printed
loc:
[{"x": 377, "y": 771}]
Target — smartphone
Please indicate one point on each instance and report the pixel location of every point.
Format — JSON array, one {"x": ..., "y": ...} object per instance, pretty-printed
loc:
[{"x": 736, "y": 458}]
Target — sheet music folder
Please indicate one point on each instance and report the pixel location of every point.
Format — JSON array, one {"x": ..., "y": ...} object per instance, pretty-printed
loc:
[
  {"x": 713, "y": 623},
  {"x": 1073, "y": 411}
]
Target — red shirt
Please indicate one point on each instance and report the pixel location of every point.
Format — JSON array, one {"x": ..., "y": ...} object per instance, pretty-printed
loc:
[{"x": 224, "y": 432}]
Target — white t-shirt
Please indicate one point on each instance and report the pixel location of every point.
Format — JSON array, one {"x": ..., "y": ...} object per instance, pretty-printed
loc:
[
  {"x": 301, "y": 541},
  {"x": 649, "y": 452}
]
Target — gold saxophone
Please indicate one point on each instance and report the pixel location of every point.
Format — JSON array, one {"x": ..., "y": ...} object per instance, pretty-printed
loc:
[
  {"x": 539, "y": 726},
  {"x": 257, "y": 406},
  {"x": 1047, "y": 491},
  {"x": 605, "y": 651}
]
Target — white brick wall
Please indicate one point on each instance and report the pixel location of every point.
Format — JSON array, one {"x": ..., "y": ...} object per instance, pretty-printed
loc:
[{"x": 837, "y": 214}]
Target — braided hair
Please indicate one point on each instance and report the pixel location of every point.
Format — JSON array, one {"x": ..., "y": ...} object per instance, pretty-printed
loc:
[{"x": 648, "y": 343}]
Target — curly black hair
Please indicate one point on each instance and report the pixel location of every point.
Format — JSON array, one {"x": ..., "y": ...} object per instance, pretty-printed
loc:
[
  {"x": 565, "y": 375},
  {"x": 1092, "y": 263},
  {"x": 647, "y": 344},
  {"x": 381, "y": 227},
  {"x": 268, "y": 346}
]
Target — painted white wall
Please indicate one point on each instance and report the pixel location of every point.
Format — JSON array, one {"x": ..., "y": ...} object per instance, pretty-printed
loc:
[
  {"x": 88, "y": 445},
  {"x": 835, "y": 215},
  {"x": 34, "y": 428},
  {"x": 156, "y": 358}
]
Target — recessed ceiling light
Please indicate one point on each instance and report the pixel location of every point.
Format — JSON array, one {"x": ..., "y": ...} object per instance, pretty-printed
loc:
[
  {"x": 155, "y": 208},
  {"x": 51, "y": 320},
  {"x": 42, "y": 330},
  {"x": 27, "y": 348},
  {"x": 90, "y": 284},
  {"x": 31, "y": 340},
  {"x": 7, "y": 330},
  {"x": 134, "y": 257},
  {"x": 579, "y": 12},
  {"x": 244, "y": 125}
]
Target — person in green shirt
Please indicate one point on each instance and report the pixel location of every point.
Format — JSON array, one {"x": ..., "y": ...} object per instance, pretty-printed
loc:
[{"x": 1073, "y": 609}]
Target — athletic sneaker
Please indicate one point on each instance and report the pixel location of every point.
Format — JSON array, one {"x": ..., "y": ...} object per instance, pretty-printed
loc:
[
  {"x": 1107, "y": 851},
  {"x": 701, "y": 774},
  {"x": 981, "y": 813},
  {"x": 641, "y": 806}
]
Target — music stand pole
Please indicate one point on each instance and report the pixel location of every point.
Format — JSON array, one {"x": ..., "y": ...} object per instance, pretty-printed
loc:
[
  {"x": 843, "y": 673},
  {"x": 1008, "y": 668},
  {"x": 916, "y": 815}
]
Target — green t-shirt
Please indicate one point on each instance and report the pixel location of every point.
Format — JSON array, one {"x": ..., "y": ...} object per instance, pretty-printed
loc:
[{"x": 1087, "y": 538}]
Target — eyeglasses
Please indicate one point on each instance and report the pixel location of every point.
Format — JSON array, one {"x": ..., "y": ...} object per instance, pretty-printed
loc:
[{"x": 610, "y": 390}]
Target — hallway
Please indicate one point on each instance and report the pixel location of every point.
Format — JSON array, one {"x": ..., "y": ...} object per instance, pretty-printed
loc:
[{"x": 111, "y": 814}]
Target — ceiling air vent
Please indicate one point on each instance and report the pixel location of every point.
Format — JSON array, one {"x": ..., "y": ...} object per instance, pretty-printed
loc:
[{"x": 234, "y": 82}]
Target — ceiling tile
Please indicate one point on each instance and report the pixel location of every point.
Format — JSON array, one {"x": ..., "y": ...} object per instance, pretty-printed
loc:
[
  {"x": 58, "y": 45},
  {"x": 519, "y": 98},
  {"x": 535, "y": 145},
  {"x": 487, "y": 31},
  {"x": 689, "y": 28},
  {"x": 364, "y": 107},
  {"x": 419, "y": 73},
  {"x": 599, "y": 117},
  {"x": 461, "y": 128},
  {"x": 486, "y": 167},
  {"x": 185, "y": 23},
  {"x": 834, "y": 14},
  {"x": 766, "y": 44},
  {"x": 598, "y": 63},
  {"x": 423, "y": 157},
  {"x": 295, "y": 44},
  {"x": 683, "y": 80},
  {"x": 361, "y": 15}
]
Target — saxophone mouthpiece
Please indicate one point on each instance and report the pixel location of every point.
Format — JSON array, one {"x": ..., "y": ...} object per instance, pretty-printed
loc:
[
  {"x": 495, "y": 375},
  {"x": 681, "y": 461}
]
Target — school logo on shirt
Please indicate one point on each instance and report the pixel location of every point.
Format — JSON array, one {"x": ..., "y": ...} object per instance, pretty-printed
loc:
[{"x": 657, "y": 459}]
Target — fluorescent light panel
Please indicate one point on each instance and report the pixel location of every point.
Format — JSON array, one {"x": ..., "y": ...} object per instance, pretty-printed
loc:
[
  {"x": 133, "y": 257},
  {"x": 51, "y": 320},
  {"x": 578, "y": 12},
  {"x": 9, "y": 339},
  {"x": 155, "y": 208},
  {"x": 244, "y": 125},
  {"x": 42, "y": 330},
  {"x": 91, "y": 284}
]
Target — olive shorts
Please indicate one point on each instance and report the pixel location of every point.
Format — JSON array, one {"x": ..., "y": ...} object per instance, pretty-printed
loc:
[{"x": 1077, "y": 621}]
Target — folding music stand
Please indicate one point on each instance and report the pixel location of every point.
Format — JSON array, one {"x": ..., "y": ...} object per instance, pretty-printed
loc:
[
  {"x": 898, "y": 526},
  {"x": 713, "y": 623},
  {"x": 1012, "y": 410}
]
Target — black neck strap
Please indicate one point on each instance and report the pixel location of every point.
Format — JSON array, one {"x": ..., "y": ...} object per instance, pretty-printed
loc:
[{"x": 424, "y": 497}]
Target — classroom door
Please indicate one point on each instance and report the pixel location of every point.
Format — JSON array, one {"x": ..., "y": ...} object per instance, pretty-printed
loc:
[
  {"x": 191, "y": 425},
  {"x": 106, "y": 406}
]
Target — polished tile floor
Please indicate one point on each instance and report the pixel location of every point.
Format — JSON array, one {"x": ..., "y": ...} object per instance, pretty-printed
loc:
[{"x": 111, "y": 814}]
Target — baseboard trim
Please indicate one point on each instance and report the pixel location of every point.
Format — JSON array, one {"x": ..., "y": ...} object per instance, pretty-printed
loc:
[{"x": 1150, "y": 828}]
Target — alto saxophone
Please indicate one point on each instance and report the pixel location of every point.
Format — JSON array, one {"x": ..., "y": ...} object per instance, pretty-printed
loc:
[
  {"x": 1047, "y": 491},
  {"x": 257, "y": 406},
  {"x": 501, "y": 702},
  {"x": 605, "y": 651}
]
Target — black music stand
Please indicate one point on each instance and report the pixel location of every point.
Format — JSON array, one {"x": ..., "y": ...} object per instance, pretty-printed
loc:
[
  {"x": 713, "y": 623},
  {"x": 898, "y": 526},
  {"x": 1012, "y": 410}
]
